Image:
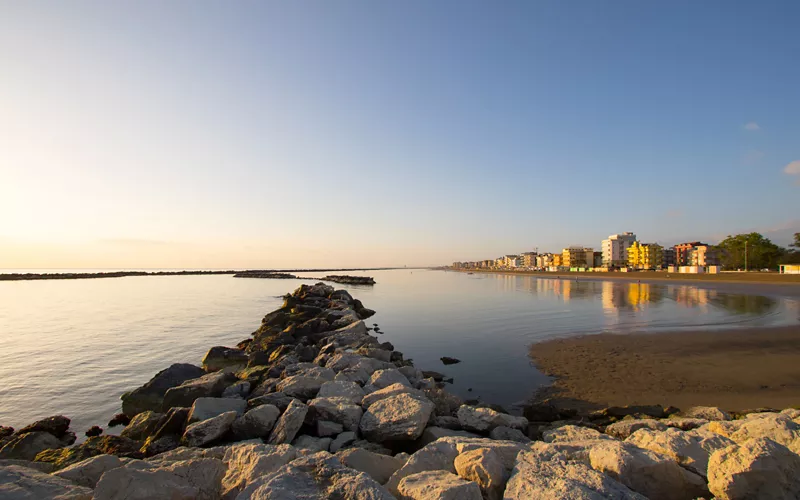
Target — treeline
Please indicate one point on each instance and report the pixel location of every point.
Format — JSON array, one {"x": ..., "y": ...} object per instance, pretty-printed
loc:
[{"x": 754, "y": 251}]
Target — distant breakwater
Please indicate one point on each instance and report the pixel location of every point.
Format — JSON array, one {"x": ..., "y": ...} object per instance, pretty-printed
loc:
[{"x": 257, "y": 273}]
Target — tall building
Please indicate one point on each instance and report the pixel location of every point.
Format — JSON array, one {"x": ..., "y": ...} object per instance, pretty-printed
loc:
[
  {"x": 529, "y": 259},
  {"x": 615, "y": 249},
  {"x": 668, "y": 257},
  {"x": 682, "y": 252},
  {"x": 556, "y": 260},
  {"x": 645, "y": 256},
  {"x": 703, "y": 255},
  {"x": 577, "y": 257}
]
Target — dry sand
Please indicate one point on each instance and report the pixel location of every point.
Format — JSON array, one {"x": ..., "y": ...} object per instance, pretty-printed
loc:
[{"x": 733, "y": 369}]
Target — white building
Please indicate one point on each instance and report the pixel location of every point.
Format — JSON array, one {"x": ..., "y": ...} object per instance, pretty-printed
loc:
[{"x": 615, "y": 249}]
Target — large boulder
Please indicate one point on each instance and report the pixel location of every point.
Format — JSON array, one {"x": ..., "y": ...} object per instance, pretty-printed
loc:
[
  {"x": 385, "y": 378},
  {"x": 758, "y": 468},
  {"x": 22, "y": 483},
  {"x": 221, "y": 358},
  {"x": 317, "y": 477},
  {"x": 555, "y": 479},
  {"x": 206, "y": 386},
  {"x": 207, "y": 431},
  {"x": 379, "y": 467},
  {"x": 88, "y": 472},
  {"x": 57, "y": 426},
  {"x": 142, "y": 425},
  {"x": 343, "y": 440},
  {"x": 205, "y": 408},
  {"x": 484, "y": 467},
  {"x": 625, "y": 428},
  {"x": 256, "y": 423},
  {"x": 277, "y": 399},
  {"x": 433, "y": 433},
  {"x": 567, "y": 433},
  {"x": 192, "y": 479},
  {"x": 707, "y": 413},
  {"x": 400, "y": 417},
  {"x": 485, "y": 419},
  {"x": 306, "y": 383},
  {"x": 99, "y": 445},
  {"x": 439, "y": 455},
  {"x": 150, "y": 396},
  {"x": 248, "y": 462},
  {"x": 654, "y": 475},
  {"x": 391, "y": 390},
  {"x": 446, "y": 404},
  {"x": 289, "y": 423},
  {"x": 307, "y": 445},
  {"x": 26, "y": 446},
  {"x": 342, "y": 389},
  {"x": 339, "y": 410},
  {"x": 438, "y": 484},
  {"x": 775, "y": 426}
]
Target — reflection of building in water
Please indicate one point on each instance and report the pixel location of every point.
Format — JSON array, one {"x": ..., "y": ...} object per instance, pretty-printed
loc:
[
  {"x": 638, "y": 294},
  {"x": 744, "y": 304},
  {"x": 694, "y": 297},
  {"x": 613, "y": 296}
]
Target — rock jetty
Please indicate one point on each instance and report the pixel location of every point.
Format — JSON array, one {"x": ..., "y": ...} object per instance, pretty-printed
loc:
[
  {"x": 333, "y": 278},
  {"x": 314, "y": 407}
]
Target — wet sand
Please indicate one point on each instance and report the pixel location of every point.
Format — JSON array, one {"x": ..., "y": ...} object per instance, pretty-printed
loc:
[{"x": 732, "y": 369}]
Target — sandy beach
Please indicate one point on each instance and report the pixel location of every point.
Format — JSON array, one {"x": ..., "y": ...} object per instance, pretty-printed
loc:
[{"x": 734, "y": 369}]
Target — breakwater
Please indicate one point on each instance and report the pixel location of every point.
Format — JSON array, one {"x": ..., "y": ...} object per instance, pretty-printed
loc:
[{"x": 314, "y": 405}]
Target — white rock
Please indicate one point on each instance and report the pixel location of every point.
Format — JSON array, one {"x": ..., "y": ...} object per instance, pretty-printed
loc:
[
  {"x": 507, "y": 451},
  {"x": 486, "y": 419},
  {"x": 400, "y": 417},
  {"x": 435, "y": 456},
  {"x": 247, "y": 463},
  {"x": 484, "y": 467},
  {"x": 683, "y": 447},
  {"x": 385, "y": 378},
  {"x": 758, "y": 468},
  {"x": 205, "y": 408},
  {"x": 301, "y": 386},
  {"x": 439, "y": 485},
  {"x": 208, "y": 431},
  {"x": 289, "y": 423},
  {"x": 127, "y": 483},
  {"x": 535, "y": 478},
  {"x": 389, "y": 391},
  {"x": 625, "y": 428},
  {"x": 378, "y": 467},
  {"x": 568, "y": 433},
  {"x": 775, "y": 426},
  {"x": 707, "y": 413},
  {"x": 22, "y": 483},
  {"x": 88, "y": 472},
  {"x": 256, "y": 423},
  {"x": 204, "y": 474},
  {"x": 654, "y": 475},
  {"x": 338, "y": 410},
  {"x": 342, "y": 389}
]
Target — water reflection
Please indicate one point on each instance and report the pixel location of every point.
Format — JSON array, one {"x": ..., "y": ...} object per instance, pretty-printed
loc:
[{"x": 617, "y": 296}]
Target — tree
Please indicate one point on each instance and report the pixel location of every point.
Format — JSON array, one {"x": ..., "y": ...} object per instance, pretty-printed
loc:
[
  {"x": 796, "y": 243},
  {"x": 793, "y": 255},
  {"x": 760, "y": 252}
]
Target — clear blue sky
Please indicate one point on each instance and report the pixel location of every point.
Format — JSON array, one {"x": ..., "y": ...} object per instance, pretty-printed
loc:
[{"x": 259, "y": 134}]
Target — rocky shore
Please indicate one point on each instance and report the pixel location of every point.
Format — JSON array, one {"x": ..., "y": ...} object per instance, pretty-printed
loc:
[
  {"x": 333, "y": 278},
  {"x": 314, "y": 407}
]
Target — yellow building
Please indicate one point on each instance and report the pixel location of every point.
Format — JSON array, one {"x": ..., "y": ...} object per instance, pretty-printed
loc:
[
  {"x": 577, "y": 257},
  {"x": 645, "y": 255},
  {"x": 556, "y": 260}
]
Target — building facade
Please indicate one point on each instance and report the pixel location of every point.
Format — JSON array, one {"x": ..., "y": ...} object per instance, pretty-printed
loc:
[
  {"x": 703, "y": 255},
  {"x": 645, "y": 256},
  {"x": 615, "y": 249},
  {"x": 577, "y": 257},
  {"x": 683, "y": 250}
]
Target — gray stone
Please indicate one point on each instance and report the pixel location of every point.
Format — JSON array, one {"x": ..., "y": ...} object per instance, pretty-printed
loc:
[
  {"x": 22, "y": 483},
  {"x": 438, "y": 484},
  {"x": 431, "y": 434},
  {"x": 389, "y": 391},
  {"x": 311, "y": 444},
  {"x": 485, "y": 419},
  {"x": 439, "y": 455},
  {"x": 88, "y": 472},
  {"x": 503, "y": 433},
  {"x": 207, "y": 386},
  {"x": 707, "y": 413},
  {"x": 289, "y": 423},
  {"x": 205, "y": 408},
  {"x": 207, "y": 431},
  {"x": 758, "y": 468},
  {"x": 385, "y": 378},
  {"x": 27, "y": 446},
  {"x": 256, "y": 423},
  {"x": 221, "y": 358},
  {"x": 343, "y": 440},
  {"x": 192, "y": 479},
  {"x": 277, "y": 399},
  {"x": 304, "y": 386},
  {"x": 484, "y": 467},
  {"x": 150, "y": 396},
  {"x": 240, "y": 389},
  {"x": 327, "y": 428},
  {"x": 625, "y": 428},
  {"x": 338, "y": 410},
  {"x": 249, "y": 462},
  {"x": 342, "y": 389},
  {"x": 567, "y": 433},
  {"x": 400, "y": 417},
  {"x": 142, "y": 426},
  {"x": 379, "y": 467}
]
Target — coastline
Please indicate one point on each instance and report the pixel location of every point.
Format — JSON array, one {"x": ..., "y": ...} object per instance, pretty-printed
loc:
[
  {"x": 735, "y": 369},
  {"x": 124, "y": 274},
  {"x": 752, "y": 283}
]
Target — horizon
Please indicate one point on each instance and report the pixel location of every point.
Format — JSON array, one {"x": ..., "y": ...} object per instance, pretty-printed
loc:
[{"x": 142, "y": 135}]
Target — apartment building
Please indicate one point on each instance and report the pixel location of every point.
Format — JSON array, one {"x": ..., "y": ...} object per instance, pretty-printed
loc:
[
  {"x": 615, "y": 249},
  {"x": 645, "y": 255},
  {"x": 577, "y": 257}
]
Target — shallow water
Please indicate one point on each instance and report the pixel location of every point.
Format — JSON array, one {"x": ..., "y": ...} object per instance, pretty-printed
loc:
[{"x": 72, "y": 347}]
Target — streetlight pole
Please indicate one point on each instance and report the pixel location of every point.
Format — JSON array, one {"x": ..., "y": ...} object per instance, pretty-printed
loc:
[{"x": 745, "y": 256}]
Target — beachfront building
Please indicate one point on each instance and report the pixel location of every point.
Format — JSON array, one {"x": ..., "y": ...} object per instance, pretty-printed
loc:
[
  {"x": 790, "y": 268},
  {"x": 668, "y": 257},
  {"x": 645, "y": 255},
  {"x": 529, "y": 259},
  {"x": 556, "y": 260},
  {"x": 577, "y": 257},
  {"x": 615, "y": 249},
  {"x": 683, "y": 252},
  {"x": 513, "y": 261},
  {"x": 544, "y": 261},
  {"x": 703, "y": 255}
]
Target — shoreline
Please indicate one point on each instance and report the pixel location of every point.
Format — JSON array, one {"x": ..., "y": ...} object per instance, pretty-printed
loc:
[
  {"x": 760, "y": 283},
  {"x": 734, "y": 369},
  {"x": 123, "y": 274}
]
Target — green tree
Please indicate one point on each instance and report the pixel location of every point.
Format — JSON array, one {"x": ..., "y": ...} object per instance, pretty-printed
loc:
[
  {"x": 793, "y": 255},
  {"x": 796, "y": 243},
  {"x": 759, "y": 251}
]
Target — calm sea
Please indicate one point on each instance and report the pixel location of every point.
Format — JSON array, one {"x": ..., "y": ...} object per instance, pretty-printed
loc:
[{"x": 72, "y": 347}]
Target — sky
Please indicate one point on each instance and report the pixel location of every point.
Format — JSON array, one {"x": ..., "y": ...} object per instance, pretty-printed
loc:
[{"x": 259, "y": 134}]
